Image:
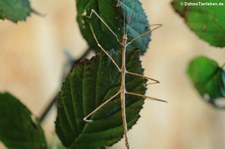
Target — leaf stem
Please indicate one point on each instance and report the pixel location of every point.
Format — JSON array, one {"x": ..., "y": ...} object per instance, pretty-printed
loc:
[
  {"x": 223, "y": 65},
  {"x": 81, "y": 57},
  {"x": 48, "y": 108},
  {"x": 53, "y": 101}
]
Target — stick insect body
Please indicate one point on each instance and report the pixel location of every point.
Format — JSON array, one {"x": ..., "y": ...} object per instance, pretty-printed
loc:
[{"x": 122, "y": 91}]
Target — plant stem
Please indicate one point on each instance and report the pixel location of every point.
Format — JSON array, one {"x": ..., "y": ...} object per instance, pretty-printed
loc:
[
  {"x": 48, "y": 108},
  {"x": 81, "y": 57},
  {"x": 223, "y": 65},
  {"x": 53, "y": 101}
]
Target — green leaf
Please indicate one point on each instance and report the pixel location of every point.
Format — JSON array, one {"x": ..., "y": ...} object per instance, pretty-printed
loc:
[
  {"x": 116, "y": 15},
  {"x": 205, "y": 21},
  {"x": 208, "y": 78},
  {"x": 15, "y": 10},
  {"x": 88, "y": 85},
  {"x": 18, "y": 128}
]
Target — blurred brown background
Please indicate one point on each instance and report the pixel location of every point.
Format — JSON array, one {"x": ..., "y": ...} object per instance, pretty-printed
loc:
[{"x": 32, "y": 59}]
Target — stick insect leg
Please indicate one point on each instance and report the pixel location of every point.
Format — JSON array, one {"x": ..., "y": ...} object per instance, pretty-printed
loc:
[
  {"x": 151, "y": 98},
  {"x": 154, "y": 81},
  {"x": 99, "y": 45},
  {"x": 138, "y": 75},
  {"x": 99, "y": 107},
  {"x": 97, "y": 15},
  {"x": 157, "y": 26}
]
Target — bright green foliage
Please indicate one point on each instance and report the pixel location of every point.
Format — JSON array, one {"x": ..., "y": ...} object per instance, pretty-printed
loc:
[
  {"x": 88, "y": 85},
  {"x": 208, "y": 78},
  {"x": 127, "y": 12},
  {"x": 18, "y": 128},
  {"x": 14, "y": 10},
  {"x": 206, "y": 21}
]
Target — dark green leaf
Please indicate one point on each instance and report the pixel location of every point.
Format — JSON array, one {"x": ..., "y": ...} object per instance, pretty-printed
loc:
[
  {"x": 87, "y": 86},
  {"x": 18, "y": 128},
  {"x": 128, "y": 12},
  {"x": 15, "y": 10},
  {"x": 208, "y": 78},
  {"x": 206, "y": 21}
]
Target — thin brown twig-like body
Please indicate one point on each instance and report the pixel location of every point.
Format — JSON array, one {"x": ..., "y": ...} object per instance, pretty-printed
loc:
[{"x": 122, "y": 91}]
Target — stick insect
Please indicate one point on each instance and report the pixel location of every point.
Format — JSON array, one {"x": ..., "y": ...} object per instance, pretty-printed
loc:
[{"x": 122, "y": 91}]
